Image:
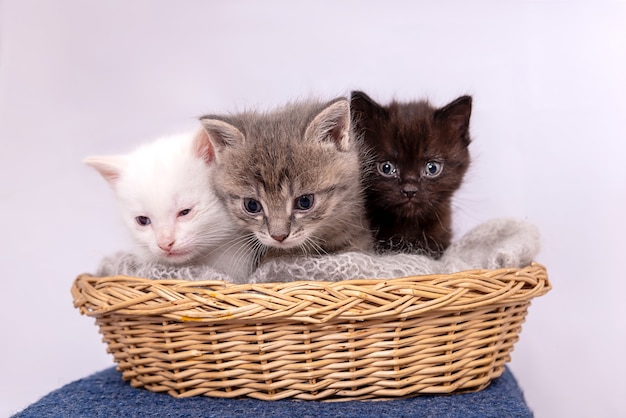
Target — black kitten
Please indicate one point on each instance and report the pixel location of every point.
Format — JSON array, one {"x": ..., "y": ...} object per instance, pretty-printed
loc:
[{"x": 420, "y": 156}]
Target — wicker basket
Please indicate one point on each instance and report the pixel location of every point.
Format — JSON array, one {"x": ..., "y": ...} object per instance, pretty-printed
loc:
[{"x": 346, "y": 340}]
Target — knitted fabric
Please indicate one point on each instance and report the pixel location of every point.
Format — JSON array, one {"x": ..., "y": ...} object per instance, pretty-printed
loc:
[
  {"x": 105, "y": 395},
  {"x": 498, "y": 243}
]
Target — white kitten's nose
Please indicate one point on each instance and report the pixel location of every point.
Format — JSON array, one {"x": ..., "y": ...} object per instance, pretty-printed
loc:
[{"x": 166, "y": 245}]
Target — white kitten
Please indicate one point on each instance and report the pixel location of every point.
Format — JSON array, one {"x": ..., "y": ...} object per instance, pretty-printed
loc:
[{"x": 168, "y": 204}]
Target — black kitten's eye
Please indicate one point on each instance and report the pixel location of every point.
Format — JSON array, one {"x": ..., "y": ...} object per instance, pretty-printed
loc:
[
  {"x": 252, "y": 206},
  {"x": 387, "y": 169},
  {"x": 304, "y": 202},
  {"x": 433, "y": 168},
  {"x": 184, "y": 212},
  {"x": 143, "y": 220}
]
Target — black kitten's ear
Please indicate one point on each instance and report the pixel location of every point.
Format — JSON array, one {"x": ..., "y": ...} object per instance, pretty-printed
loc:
[
  {"x": 364, "y": 109},
  {"x": 221, "y": 134},
  {"x": 332, "y": 123},
  {"x": 457, "y": 113}
]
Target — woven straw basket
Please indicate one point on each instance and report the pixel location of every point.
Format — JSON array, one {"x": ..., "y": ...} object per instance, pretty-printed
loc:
[{"x": 347, "y": 340}]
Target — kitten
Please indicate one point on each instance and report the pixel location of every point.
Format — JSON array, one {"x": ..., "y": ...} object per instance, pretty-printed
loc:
[
  {"x": 167, "y": 203},
  {"x": 421, "y": 156},
  {"x": 292, "y": 177}
]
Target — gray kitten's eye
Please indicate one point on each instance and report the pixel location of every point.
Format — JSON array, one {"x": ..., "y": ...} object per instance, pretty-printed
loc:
[
  {"x": 433, "y": 168},
  {"x": 184, "y": 212},
  {"x": 304, "y": 202},
  {"x": 252, "y": 206},
  {"x": 143, "y": 220},
  {"x": 387, "y": 169}
]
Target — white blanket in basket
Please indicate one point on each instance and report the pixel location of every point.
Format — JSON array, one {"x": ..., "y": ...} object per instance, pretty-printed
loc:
[{"x": 498, "y": 243}]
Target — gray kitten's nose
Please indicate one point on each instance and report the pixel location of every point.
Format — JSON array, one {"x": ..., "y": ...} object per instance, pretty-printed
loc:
[{"x": 280, "y": 238}]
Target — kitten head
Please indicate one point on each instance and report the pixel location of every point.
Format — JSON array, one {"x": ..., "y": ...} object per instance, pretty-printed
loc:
[
  {"x": 165, "y": 197},
  {"x": 420, "y": 152},
  {"x": 290, "y": 177}
]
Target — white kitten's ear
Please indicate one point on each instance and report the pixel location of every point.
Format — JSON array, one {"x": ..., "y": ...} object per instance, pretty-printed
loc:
[
  {"x": 110, "y": 168},
  {"x": 202, "y": 146},
  {"x": 332, "y": 123},
  {"x": 221, "y": 134}
]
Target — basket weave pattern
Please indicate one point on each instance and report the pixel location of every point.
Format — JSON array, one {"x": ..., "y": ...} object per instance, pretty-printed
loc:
[{"x": 346, "y": 340}]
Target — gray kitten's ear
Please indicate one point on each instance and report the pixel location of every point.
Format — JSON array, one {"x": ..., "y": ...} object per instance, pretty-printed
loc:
[
  {"x": 220, "y": 133},
  {"x": 110, "y": 168},
  {"x": 332, "y": 123}
]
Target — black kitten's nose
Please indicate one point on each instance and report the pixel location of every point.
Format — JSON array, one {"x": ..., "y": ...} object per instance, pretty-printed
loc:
[
  {"x": 280, "y": 238},
  {"x": 409, "y": 192}
]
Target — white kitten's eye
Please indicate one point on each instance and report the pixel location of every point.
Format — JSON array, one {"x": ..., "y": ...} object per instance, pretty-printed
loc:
[
  {"x": 304, "y": 202},
  {"x": 252, "y": 206},
  {"x": 387, "y": 169},
  {"x": 143, "y": 220},
  {"x": 184, "y": 212},
  {"x": 433, "y": 168}
]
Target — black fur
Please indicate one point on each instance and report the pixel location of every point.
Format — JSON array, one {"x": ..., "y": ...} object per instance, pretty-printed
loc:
[{"x": 411, "y": 211}]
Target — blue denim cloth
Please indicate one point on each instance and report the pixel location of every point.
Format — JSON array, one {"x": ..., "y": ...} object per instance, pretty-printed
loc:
[{"x": 105, "y": 394}]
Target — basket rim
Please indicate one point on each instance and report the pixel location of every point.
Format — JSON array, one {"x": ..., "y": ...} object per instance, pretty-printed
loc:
[{"x": 307, "y": 301}]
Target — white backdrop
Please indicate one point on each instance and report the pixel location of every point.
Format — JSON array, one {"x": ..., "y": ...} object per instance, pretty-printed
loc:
[{"x": 91, "y": 77}]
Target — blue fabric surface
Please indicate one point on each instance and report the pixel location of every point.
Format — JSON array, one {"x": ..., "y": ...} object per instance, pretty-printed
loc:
[{"x": 105, "y": 394}]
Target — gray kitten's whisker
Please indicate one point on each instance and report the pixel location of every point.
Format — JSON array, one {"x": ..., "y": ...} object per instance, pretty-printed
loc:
[{"x": 315, "y": 246}]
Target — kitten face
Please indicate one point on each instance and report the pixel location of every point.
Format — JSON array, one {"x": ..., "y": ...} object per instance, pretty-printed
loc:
[
  {"x": 420, "y": 158},
  {"x": 165, "y": 199},
  {"x": 291, "y": 177}
]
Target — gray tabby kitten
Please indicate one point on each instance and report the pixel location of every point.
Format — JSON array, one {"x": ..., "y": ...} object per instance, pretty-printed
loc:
[{"x": 292, "y": 178}]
